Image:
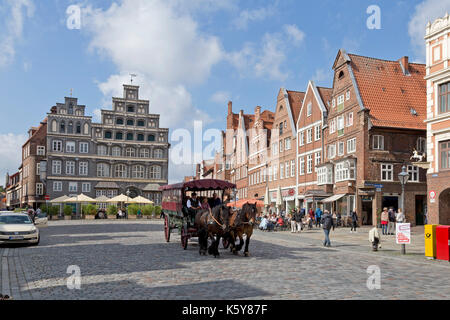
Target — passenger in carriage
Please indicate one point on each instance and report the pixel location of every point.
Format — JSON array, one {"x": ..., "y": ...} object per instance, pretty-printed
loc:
[
  {"x": 193, "y": 205},
  {"x": 205, "y": 204},
  {"x": 214, "y": 201}
]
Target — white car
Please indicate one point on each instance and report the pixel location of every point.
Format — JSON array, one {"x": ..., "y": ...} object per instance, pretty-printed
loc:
[{"x": 18, "y": 228}]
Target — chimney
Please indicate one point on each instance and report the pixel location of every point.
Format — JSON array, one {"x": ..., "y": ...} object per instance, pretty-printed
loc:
[
  {"x": 404, "y": 63},
  {"x": 230, "y": 107},
  {"x": 257, "y": 112}
]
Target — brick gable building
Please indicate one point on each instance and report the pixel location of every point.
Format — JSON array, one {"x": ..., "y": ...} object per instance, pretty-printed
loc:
[{"x": 374, "y": 123}]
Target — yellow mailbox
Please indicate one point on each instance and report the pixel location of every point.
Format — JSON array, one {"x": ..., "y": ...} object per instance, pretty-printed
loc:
[{"x": 430, "y": 241}]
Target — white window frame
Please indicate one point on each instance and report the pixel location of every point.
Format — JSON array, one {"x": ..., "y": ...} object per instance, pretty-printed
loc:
[
  {"x": 341, "y": 148},
  {"x": 70, "y": 168},
  {"x": 309, "y": 135},
  {"x": 318, "y": 133},
  {"x": 379, "y": 139},
  {"x": 302, "y": 138},
  {"x": 85, "y": 187},
  {"x": 56, "y": 166},
  {"x": 73, "y": 187},
  {"x": 281, "y": 171},
  {"x": 301, "y": 166},
  {"x": 331, "y": 147},
  {"x": 40, "y": 150},
  {"x": 57, "y": 145},
  {"x": 70, "y": 147},
  {"x": 413, "y": 174},
  {"x": 287, "y": 143},
  {"x": 349, "y": 119},
  {"x": 83, "y": 168},
  {"x": 84, "y": 147},
  {"x": 347, "y": 95},
  {"x": 309, "y": 163},
  {"x": 333, "y": 125},
  {"x": 317, "y": 158},
  {"x": 39, "y": 189},
  {"x": 351, "y": 145},
  {"x": 309, "y": 109},
  {"x": 388, "y": 169},
  {"x": 57, "y": 186}
]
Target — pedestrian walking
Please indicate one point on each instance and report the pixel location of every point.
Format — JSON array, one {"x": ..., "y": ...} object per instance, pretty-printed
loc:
[
  {"x": 374, "y": 238},
  {"x": 391, "y": 223},
  {"x": 354, "y": 217},
  {"x": 400, "y": 217},
  {"x": 298, "y": 220},
  {"x": 338, "y": 219},
  {"x": 318, "y": 216},
  {"x": 293, "y": 223},
  {"x": 327, "y": 224},
  {"x": 384, "y": 221},
  {"x": 311, "y": 218}
]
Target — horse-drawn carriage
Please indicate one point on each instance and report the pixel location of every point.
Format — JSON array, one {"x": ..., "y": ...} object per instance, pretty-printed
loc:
[{"x": 174, "y": 205}]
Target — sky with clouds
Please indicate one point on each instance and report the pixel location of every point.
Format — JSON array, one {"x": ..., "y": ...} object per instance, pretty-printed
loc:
[{"x": 191, "y": 56}]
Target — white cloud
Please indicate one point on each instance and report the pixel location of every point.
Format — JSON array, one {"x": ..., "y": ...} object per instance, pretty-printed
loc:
[
  {"x": 152, "y": 37},
  {"x": 267, "y": 59},
  {"x": 163, "y": 46},
  {"x": 12, "y": 27},
  {"x": 221, "y": 97},
  {"x": 294, "y": 34},
  {"x": 247, "y": 16},
  {"x": 11, "y": 154},
  {"x": 425, "y": 12}
]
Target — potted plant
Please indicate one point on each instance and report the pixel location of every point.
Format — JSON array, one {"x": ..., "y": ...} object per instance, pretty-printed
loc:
[
  {"x": 52, "y": 212},
  {"x": 111, "y": 211},
  {"x": 132, "y": 211},
  {"x": 147, "y": 211},
  {"x": 157, "y": 212},
  {"x": 67, "y": 210},
  {"x": 89, "y": 211}
]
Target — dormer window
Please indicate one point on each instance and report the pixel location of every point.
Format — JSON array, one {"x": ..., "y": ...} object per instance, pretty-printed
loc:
[
  {"x": 70, "y": 108},
  {"x": 341, "y": 75}
]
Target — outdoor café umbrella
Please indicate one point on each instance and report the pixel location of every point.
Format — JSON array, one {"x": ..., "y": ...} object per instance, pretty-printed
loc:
[
  {"x": 101, "y": 199},
  {"x": 242, "y": 202},
  {"x": 140, "y": 200},
  {"x": 119, "y": 198},
  {"x": 279, "y": 200}
]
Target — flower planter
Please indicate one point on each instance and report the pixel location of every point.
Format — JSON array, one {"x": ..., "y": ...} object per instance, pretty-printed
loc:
[
  {"x": 89, "y": 217},
  {"x": 67, "y": 217},
  {"x": 131, "y": 216}
]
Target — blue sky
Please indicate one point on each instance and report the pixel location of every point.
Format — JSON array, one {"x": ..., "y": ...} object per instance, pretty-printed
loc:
[{"x": 191, "y": 57}]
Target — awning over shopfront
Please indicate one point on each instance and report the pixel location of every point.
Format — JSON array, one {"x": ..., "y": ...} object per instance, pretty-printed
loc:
[{"x": 333, "y": 198}]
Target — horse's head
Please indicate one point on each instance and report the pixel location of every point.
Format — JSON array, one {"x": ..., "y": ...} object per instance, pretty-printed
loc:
[
  {"x": 224, "y": 215},
  {"x": 249, "y": 211}
]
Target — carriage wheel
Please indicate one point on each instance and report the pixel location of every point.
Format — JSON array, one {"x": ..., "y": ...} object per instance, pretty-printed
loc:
[
  {"x": 184, "y": 237},
  {"x": 166, "y": 228}
]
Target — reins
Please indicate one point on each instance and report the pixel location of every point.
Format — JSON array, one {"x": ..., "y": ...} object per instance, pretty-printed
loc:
[{"x": 210, "y": 213}]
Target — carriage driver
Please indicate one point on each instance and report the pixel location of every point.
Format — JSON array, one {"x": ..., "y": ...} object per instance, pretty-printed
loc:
[{"x": 193, "y": 205}]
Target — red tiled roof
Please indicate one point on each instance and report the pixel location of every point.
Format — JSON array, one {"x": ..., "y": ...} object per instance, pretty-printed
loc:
[
  {"x": 389, "y": 94},
  {"x": 325, "y": 95},
  {"x": 296, "y": 101}
]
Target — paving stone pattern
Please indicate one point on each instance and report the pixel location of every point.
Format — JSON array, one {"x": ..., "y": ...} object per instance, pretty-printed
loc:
[{"x": 131, "y": 260}]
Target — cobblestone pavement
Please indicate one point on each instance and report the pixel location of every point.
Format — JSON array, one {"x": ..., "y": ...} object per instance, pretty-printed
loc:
[{"x": 131, "y": 260}]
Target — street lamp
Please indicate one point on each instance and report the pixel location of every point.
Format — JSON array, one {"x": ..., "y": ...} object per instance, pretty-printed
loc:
[
  {"x": 128, "y": 196},
  {"x": 403, "y": 177}
]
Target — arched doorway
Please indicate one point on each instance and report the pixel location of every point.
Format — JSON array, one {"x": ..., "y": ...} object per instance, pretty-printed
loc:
[{"x": 444, "y": 207}]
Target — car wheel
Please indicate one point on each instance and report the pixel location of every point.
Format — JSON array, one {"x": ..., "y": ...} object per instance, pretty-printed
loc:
[{"x": 37, "y": 243}]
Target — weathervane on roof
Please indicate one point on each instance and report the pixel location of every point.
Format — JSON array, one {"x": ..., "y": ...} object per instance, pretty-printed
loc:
[{"x": 132, "y": 75}]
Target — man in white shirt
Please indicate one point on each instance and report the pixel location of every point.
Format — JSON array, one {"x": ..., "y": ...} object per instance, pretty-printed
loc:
[{"x": 193, "y": 205}]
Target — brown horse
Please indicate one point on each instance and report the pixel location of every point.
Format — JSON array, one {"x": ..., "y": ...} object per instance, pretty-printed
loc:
[
  {"x": 241, "y": 222},
  {"x": 212, "y": 224}
]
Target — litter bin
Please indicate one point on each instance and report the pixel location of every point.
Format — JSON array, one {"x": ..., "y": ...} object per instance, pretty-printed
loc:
[
  {"x": 430, "y": 241},
  {"x": 442, "y": 243}
]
